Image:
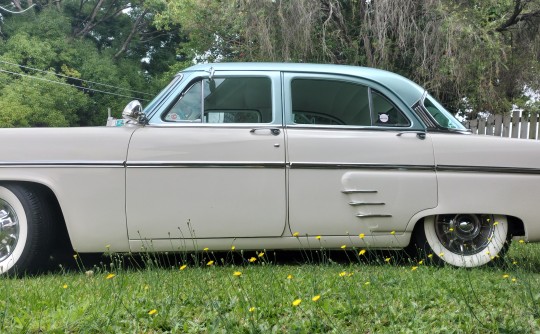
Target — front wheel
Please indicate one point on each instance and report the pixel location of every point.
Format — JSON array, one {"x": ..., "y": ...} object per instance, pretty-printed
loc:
[
  {"x": 463, "y": 240},
  {"x": 24, "y": 229}
]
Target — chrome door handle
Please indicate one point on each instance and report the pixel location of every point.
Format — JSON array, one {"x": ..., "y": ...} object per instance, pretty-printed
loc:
[
  {"x": 419, "y": 134},
  {"x": 273, "y": 131}
]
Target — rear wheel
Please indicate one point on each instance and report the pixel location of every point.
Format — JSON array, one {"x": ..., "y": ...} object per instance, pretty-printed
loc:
[
  {"x": 463, "y": 240},
  {"x": 25, "y": 229}
]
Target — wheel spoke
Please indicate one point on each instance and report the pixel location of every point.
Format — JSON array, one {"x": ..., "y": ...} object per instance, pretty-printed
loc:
[{"x": 9, "y": 230}]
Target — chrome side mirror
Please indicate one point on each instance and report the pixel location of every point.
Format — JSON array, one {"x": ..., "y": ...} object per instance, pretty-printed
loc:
[{"x": 134, "y": 112}]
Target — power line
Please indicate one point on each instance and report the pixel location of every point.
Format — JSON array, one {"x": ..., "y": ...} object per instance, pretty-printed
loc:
[
  {"x": 66, "y": 84},
  {"x": 68, "y": 77}
]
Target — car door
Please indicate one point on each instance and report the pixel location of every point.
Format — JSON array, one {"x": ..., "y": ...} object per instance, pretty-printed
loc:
[
  {"x": 356, "y": 162},
  {"x": 211, "y": 163}
]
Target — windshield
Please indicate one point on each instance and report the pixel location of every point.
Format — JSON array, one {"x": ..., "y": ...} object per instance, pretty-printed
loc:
[
  {"x": 443, "y": 117},
  {"x": 162, "y": 94}
]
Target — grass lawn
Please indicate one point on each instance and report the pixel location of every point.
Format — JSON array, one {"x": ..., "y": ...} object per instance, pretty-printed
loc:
[{"x": 385, "y": 294}]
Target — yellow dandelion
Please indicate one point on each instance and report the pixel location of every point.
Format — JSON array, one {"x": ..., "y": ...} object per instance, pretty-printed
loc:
[
  {"x": 318, "y": 237},
  {"x": 110, "y": 276},
  {"x": 152, "y": 312},
  {"x": 393, "y": 232},
  {"x": 505, "y": 276},
  {"x": 343, "y": 246},
  {"x": 421, "y": 262},
  {"x": 296, "y": 302},
  {"x": 289, "y": 276},
  {"x": 316, "y": 298},
  {"x": 75, "y": 256},
  {"x": 252, "y": 309},
  {"x": 209, "y": 263},
  {"x": 441, "y": 254},
  {"x": 514, "y": 280},
  {"x": 521, "y": 241},
  {"x": 367, "y": 283},
  {"x": 487, "y": 253},
  {"x": 295, "y": 234},
  {"x": 65, "y": 286},
  {"x": 514, "y": 262},
  {"x": 261, "y": 254},
  {"x": 361, "y": 235},
  {"x": 387, "y": 259},
  {"x": 206, "y": 249},
  {"x": 252, "y": 259},
  {"x": 350, "y": 274},
  {"x": 233, "y": 248},
  {"x": 414, "y": 268},
  {"x": 362, "y": 252},
  {"x": 430, "y": 256},
  {"x": 495, "y": 223},
  {"x": 451, "y": 229},
  {"x": 237, "y": 274},
  {"x": 341, "y": 274},
  {"x": 146, "y": 287},
  {"x": 184, "y": 266}
]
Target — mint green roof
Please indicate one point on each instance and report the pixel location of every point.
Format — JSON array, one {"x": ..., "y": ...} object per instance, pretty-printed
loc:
[{"x": 406, "y": 89}]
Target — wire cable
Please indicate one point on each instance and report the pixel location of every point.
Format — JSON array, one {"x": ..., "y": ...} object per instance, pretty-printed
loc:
[
  {"x": 66, "y": 84},
  {"x": 68, "y": 77}
]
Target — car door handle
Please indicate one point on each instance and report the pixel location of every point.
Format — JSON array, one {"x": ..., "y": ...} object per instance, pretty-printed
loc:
[
  {"x": 273, "y": 131},
  {"x": 419, "y": 134}
]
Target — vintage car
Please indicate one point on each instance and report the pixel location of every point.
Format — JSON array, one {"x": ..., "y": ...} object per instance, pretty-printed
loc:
[{"x": 270, "y": 156}]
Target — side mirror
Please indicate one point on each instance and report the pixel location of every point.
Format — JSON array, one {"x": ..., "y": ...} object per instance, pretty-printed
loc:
[{"x": 134, "y": 112}]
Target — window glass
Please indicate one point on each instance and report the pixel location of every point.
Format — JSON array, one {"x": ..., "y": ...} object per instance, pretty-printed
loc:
[
  {"x": 317, "y": 101},
  {"x": 385, "y": 113},
  {"x": 441, "y": 115},
  {"x": 225, "y": 100}
]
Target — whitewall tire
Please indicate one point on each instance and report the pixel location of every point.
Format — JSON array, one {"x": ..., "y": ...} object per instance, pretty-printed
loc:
[{"x": 463, "y": 240}]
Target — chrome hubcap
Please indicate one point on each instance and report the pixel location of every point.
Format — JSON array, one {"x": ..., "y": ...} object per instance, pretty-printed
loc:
[
  {"x": 465, "y": 234},
  {"x": 9, "y": 230}
]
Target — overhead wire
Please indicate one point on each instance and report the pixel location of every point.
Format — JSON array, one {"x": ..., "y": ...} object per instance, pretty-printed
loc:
[
  {"x": 71, "y": 85},
  {"x": 74, "y": 78}
]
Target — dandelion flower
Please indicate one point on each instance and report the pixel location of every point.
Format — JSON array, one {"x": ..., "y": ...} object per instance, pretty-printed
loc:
[
  {"x": 361, "y": 235},
  {"x": 506, "y": 276},
  {"x": 65, "y": 286},
  {"x": 233, "y": 248},
  {"x": 318, "y": 237},
  {"x": 295, "y": 234},
  {"x": 367, "y": 283},
  {"x": 209, "y": 263},
  {"x": 75, "y": 256},
  {"x": 521, "y": 241},
  {"x": 110, "y": 276},
  {"x": 237, "y": 274},
  {"x": 261, "y": 254},
  {"x": 414, "y": 268},
  {"x": 387, "y": 259},
  {"x": 252, "y": 259},
  {"x": 495, "y": 223},
  {"x": 297, "y": 302},
  {"x": 430, "y": 256},
  {"x": 146, "y": 287},
  {"x": 393, "y": 232},
  {"x": 350, "y": 274},
  {"x": 362, "y": 252},
  {"x": 289, "y": 276},
  {"x": 487, "y": 253},
  {"x": 514, "y": 262},
  {"x": 421, "y": 262},
  {"x": 514, "y": 280},
  {"x": 343, "y": 246},
  {"x": 252, "y": 309},
  {"x": 206, "y": 249},
  {"x": 184, "y": 266},
  {"x": 441, "y": 254},
  {"x": 152, "y": 312},
  {"x": 316, "y": 298},
  {"x": 343, "y": 273},
  {"x": 451, "y": 229}
]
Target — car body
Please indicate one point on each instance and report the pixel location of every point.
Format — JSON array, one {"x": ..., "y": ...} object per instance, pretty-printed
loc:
[{"x": 270, "y": 156}]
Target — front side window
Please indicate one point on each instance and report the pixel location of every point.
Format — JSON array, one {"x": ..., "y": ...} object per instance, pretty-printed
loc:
[
  {"x": 335, "y": 102},
  {"x": 224, "y": 100}
]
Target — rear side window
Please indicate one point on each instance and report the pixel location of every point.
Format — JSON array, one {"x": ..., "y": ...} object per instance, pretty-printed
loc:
[
  {"x": 224, "y": 100},
  {"x": 335, "y": 102}
]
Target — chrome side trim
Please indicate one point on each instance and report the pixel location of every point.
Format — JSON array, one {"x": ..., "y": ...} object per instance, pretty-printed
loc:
[
  {"x": 487, "y": 169},
  {"x": 366, "y": 203},
  {"x": 204, "y": 164},
  {"x": 372, "y": 215},
  {"x": 63, "y": 164},
  {"x": 345, "y": 165},
  {"x": 358, "y": 191}
]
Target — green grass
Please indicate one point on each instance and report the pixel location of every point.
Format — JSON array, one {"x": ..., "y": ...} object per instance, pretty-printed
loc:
[{"x": 355, "y": 297}]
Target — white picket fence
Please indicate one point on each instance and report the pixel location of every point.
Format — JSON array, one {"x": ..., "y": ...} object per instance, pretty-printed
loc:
[{"x": 513, "y": 125}]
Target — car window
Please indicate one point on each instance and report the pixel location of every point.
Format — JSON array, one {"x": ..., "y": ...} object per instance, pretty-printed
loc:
[
  {"x": 224, "y": 100},
  {"x": 318, "y": 101},
  {"x": 385, "y": 112}
]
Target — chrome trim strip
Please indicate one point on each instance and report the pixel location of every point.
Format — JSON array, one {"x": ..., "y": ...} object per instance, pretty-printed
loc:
[
  {"x": 62, "y": 164},
  {"x": 372, "y": 215},
  {"x": 366, "y": 203},
  {"x": 487, "y": 169},
  {"x": 346, "y": 165},
  {"x": 204, "y": 164},
  {"x": 358, "y": 191}
]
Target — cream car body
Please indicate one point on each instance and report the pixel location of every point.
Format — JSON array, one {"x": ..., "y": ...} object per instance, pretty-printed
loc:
[{"x": 249, "y": 154}]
